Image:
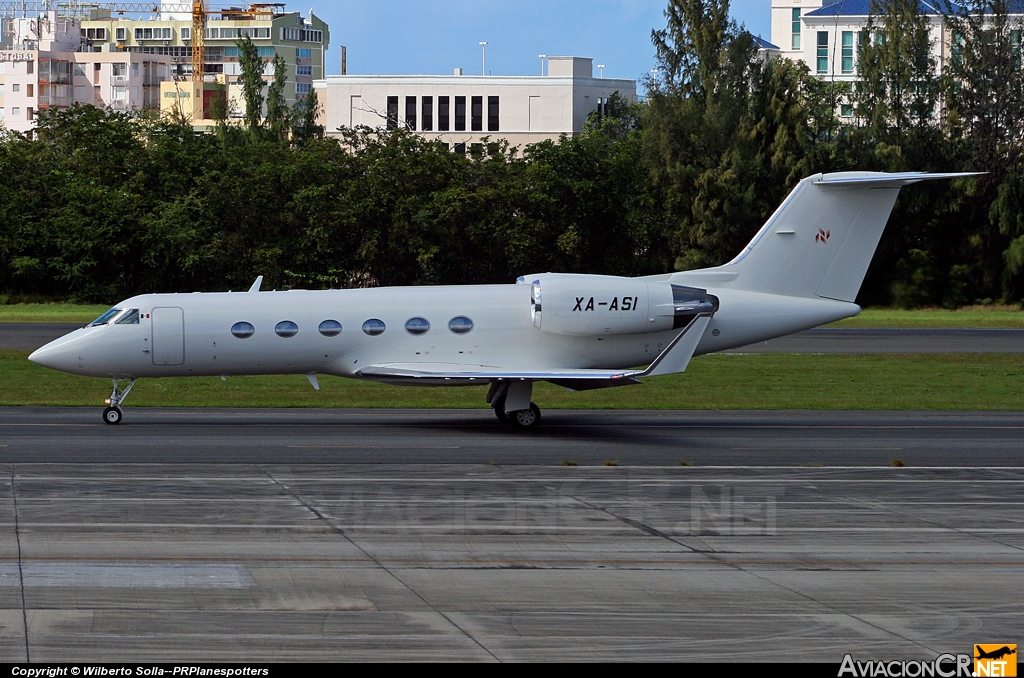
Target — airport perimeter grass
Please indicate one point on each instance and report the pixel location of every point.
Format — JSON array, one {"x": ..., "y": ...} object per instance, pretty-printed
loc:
[
  {"x": 1008, "y": 317},
  {"x": 723, "y": 381}
]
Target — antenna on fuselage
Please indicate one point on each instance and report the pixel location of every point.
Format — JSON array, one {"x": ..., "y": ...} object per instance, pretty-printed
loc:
[{"x": 256, "y": 285}]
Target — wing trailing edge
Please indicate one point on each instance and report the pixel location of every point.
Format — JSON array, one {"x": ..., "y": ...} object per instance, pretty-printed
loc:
[{"x": 674, "y": 358}]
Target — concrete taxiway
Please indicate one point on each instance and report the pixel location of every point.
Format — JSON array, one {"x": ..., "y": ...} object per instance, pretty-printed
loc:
[
  {"x": 248, "y": 535},
  {"x": 30, "y": 336}
]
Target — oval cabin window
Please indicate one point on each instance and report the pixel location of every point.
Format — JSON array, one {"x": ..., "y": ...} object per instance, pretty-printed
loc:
[
  {"x": 286, "y": 328},
  {"x": 374, "y": 327},
  {"x": 460, "y": 324},
  {"x": 330, "y": 328},
  {"x": 243, "y": 330},
  {"x": 417, "y": 326}
]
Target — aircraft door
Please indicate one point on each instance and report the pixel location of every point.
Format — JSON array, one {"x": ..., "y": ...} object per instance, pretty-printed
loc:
[{"x": 168, "y": 336}]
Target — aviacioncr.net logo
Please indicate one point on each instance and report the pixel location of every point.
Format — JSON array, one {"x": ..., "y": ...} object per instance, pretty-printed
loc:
[{"x": 943, "y": 666}]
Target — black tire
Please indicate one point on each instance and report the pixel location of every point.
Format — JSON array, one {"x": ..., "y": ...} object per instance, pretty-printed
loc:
[
  {"x": 499, "y": 409},
  {"x": 528, "y": 418},
  {"x": 112, "y": 415}
]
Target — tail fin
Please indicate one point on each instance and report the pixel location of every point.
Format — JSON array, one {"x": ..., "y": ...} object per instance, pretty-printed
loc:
[{"x": 821, "y": 239}]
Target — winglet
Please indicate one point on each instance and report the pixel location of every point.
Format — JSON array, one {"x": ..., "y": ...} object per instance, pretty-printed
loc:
[
  {"x": 677, "y": 354},
  {"x": 256, "y": 285}
]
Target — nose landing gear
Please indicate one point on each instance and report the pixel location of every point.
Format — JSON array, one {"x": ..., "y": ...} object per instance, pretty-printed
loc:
[{"x": 113, "y": 413}]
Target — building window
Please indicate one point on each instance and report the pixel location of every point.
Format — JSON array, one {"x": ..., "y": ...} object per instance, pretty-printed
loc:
[
  {"x": 119, "y": 70},
  {"x": 460, "y": 114},
  {"x": 392, "y": 121},
  {"x": 1, "y": 114},
  {"x": 796, "y": 29},
  {"x": 427, "y": 114},
  {"x": 847, "y": 64},
  {"x": 492, "y": 114},
  {"x": 442, "y": 114},
  {"x": 121, "y": 34},
  {"x": 30, "y": 67},
  {"x": 410, "y": 112},
  {"x": 15, "y": 111},
  {"x": 94, "y": 33},
  {"x": 29, "y": 113},
  {"x": 30, "y": 91},
  {"x": 459, "y": 148},
  {"x": 15, "y": 87},
  {"x": 3, "y": 90},
  {"x": 822, "y": 52},
  {"x": 186, "y": 33},
  {"x": 1015, "y": 50},
  {"x": 304, "y": 53},
  {"x": 266, "y": 52},
  {"x": 302, "y": 70},
  {"x": 303, "y": 87},
  {"x": 477, "y": 122},
  {"x": 846, "y": 110}
]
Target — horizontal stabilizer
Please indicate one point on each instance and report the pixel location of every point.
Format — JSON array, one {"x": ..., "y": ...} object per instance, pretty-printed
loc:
[{"x": 879, "y": 180}]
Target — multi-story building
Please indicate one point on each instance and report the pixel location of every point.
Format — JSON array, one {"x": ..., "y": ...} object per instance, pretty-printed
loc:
[
  {"x": 79, "y": 53},
  {"x": 43, "y": 65},
  {"x": 463, "y": 109},
  {"x": 301, "y": 41}
]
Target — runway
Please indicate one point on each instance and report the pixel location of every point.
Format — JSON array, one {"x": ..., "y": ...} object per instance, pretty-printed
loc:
[
  {"x": 245, "y": 535},
  {"x": 30, "y": 336}
]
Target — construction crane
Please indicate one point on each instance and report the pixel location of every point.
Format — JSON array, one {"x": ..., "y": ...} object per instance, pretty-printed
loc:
[{"x": 198, "y": 40}]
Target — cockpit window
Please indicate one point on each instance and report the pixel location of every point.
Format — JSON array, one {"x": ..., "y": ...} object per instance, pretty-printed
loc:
[
  {"x": 106, "y": 317},
  {"x": 129, "y": 318}
]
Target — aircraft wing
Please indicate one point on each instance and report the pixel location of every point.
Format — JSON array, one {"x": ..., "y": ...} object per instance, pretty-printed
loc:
[{"x": 674, "y": 358}]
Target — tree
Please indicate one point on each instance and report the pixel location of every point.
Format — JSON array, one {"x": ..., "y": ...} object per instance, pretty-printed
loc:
[
  {"x": 277, "y": 109},
  {"x": 252, "y": 66},
  {"x": 306, "y": 128}
]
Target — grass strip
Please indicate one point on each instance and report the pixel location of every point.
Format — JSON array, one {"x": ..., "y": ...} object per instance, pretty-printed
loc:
[
  {"x": 723, "y": 381},
  {"x": 50, "y": 313},
  {"x": 978, "y": 317}
]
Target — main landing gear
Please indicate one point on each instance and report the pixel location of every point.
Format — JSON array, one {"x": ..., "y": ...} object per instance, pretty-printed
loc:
[
  {"x": 505, "y": 395},
  {"x": 113, "y": 413}
]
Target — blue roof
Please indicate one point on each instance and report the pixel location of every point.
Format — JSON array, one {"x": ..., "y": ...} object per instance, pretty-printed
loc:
[
  {"x": 863, "y": 8},
  {"x": 764, "y": 44}
]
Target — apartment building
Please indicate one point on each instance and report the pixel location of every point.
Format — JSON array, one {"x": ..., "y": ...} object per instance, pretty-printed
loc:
[
  {"x": 41, "y": 67},
  {"x": 463, "y": 109}
]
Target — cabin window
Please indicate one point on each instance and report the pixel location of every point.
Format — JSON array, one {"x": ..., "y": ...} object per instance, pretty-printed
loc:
[
  {"x": 460, "y": 324},
  {"x": 105, "y": 318},
  {"x": 417, "y": 326},
  {"x": 330, "y": 328},
  {"x": 243, "y": 330},
  {"x": 286, "y": 328},
  {"x": 374, "y": 327},
  {"x": 129, "y": 318}
]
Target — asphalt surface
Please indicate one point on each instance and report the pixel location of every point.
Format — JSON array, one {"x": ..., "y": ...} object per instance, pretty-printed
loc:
[
  {"x": 323, "y": 535},
  {"x": 30, "y": 336}
]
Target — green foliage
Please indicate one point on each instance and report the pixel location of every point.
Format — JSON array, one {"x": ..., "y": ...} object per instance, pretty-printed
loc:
[{"x": 99, "y": 205}]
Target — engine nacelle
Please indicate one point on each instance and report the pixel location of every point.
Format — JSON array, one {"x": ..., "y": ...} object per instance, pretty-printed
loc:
[{"x": 596, "y": 305}]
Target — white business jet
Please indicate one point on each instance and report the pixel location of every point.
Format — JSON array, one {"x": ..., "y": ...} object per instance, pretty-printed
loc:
[{"x": 802, "y": 269}]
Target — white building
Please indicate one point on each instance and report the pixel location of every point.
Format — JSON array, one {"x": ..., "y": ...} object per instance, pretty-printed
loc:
[
  {"x": 43, "y": 65},
  {"x": 462, "y": 109}
]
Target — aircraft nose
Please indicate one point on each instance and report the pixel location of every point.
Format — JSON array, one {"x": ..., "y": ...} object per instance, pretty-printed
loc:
[{"x": 57, "y": 355}]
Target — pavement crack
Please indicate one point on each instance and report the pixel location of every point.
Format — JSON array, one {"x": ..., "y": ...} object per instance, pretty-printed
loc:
[
  {"x": 21, "y": 568},
  {"x": 334, "y": 528}
]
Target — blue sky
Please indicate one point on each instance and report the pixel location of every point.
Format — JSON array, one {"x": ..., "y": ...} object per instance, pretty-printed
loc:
[{"x": 435, "y": 36}]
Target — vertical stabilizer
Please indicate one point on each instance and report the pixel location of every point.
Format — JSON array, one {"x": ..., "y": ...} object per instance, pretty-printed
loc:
[{"x": 820, "y": 241}]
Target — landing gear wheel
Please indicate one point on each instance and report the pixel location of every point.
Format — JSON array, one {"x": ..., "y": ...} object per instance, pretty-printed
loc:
[
  {"x": 112, "y": 415},
  {"x": 528, "y": 418},
  {"x": 499, "y": 409}
]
